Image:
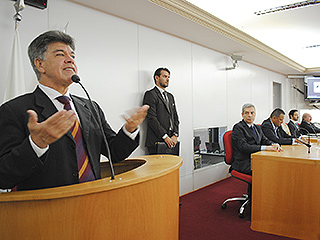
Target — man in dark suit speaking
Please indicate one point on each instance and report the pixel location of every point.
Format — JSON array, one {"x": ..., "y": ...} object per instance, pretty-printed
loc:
[
  {"x": 162, "y": 118},
  {"x": 247, "y": 138},
  {"x": 43, "y": 142}
]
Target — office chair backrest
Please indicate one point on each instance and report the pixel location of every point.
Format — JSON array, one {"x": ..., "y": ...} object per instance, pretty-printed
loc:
[{"x": 227, "y": 147}]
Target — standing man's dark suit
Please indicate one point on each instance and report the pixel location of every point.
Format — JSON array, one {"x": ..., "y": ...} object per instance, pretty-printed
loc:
[
  {"x": 158, "y": 117},
  {"x": 244, "y": 143},
  {"x": 281, "y": 137},
  {"x": 37, "y": 148},
  {"x": 294, "y": 130},
  {"x": 19, "y": 165},
  {"x": 308, "y": 127}
]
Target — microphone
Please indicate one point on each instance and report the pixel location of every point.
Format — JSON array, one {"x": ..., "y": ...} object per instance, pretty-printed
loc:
[
  {"x": 308, "y": 133},
  {"x": 307, "y": 144},
  {"x": 75, "y": 78},
  {"x": 301, "y": 128}
]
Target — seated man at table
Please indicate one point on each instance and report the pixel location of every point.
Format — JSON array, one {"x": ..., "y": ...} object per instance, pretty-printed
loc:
[
  {"x": 307, "y": 126},
  {"x": 293, "y": 123},
  {"x": 272, "y": 129},
  {"x": 248, "y": 138}
]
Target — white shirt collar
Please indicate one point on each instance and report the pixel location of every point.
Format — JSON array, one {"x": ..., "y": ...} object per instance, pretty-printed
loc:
[
  {"x": 52, "y": 93},
  {"x": 249, "y": 124},
  {"x": 274, "y": 127},
  {"x": 160, "y": 89}
]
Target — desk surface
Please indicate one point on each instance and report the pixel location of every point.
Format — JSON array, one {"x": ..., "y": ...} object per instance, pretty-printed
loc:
[
  {"x": 286, "y": 192},
  {"x": 290, "y": 152},
  {"x": 153, "y": 166}
]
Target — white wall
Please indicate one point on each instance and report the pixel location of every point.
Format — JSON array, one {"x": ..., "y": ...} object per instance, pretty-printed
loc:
[{"x": 116, "y": 60}]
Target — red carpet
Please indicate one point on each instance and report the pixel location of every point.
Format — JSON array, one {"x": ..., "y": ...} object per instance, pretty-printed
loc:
[{"x": 201, "y": 216}]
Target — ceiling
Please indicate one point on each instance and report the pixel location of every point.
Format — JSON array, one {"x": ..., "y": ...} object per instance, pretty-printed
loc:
[
  {"x": 274, "y": 41},
  {"x": 294, "y": 32}
]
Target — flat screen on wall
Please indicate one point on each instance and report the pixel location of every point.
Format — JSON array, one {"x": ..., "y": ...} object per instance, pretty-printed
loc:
[
  {"x": 312, "y": 88},
  {"x": 42, "y": 4},
  {"x": 37, "y": 3}
]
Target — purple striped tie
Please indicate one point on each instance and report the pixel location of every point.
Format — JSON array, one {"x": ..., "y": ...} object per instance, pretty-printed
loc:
[{"x": 84, "y": 166}]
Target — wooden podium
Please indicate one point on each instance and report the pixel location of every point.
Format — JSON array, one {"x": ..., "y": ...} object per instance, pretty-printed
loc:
[{"x": 142, "y": 203}]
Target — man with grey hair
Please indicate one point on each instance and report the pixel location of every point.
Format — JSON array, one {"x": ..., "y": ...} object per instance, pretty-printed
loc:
[
  {"x": 51, "y": 138},
  {"x": 248, "y": 138},
  {"x": 307, "y": 126},
  {"x": 273, "y": 130}
]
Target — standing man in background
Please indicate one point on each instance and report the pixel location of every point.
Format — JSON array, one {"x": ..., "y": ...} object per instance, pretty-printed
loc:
[
  {"x": 162, "y": 117},
  {"x": 293, "y": 123}
]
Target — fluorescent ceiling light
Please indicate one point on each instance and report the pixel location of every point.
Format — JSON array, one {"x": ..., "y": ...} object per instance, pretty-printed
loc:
[
  {"x": 288, "y": 32},
  {"x": 288, "y": 7}
]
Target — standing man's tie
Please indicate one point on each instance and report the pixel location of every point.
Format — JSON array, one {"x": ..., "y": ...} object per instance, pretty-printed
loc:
[
  {"x": 84, "y": 167},
  {"x": 166, "y": 99}
]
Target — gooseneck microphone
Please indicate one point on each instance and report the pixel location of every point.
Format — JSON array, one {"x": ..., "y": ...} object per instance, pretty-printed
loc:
[
  {"x": 76, "y": 79},
  {"x": 307, "y": 144}
]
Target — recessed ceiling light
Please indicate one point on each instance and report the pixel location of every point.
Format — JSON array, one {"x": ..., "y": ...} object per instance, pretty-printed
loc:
[
  {"x": 313, "y": 46},
  {"x": 288, "y": 7}
]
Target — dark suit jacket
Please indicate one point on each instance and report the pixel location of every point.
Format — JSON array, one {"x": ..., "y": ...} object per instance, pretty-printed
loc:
[
  {"x": 244, "y": 143},
  {"x": 283, "y": 138},
  {"x": 158, "y": 117},
  {"x": 19, "y": 165},
  {"x": 294, "y": 130},
  {"x": 306, "y": 128}
]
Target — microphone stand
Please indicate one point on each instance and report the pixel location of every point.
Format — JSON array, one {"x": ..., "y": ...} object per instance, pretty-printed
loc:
[
  {"x": 76, "y": 79},
  {"x": 307, "y": 144}
]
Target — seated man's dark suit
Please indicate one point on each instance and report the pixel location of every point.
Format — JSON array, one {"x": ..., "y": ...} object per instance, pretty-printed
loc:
[
  {"x": 294, "y": 130},
  {"x": 245, "y": 142},
  {"x": 19, "y": 164},
  {"x": 306, "y": 128},
  {"x": 282, "y": 137},
  {"x": 158, "y": 117}
]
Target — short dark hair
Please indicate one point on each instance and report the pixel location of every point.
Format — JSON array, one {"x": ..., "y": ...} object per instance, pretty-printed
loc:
[
  {"x": 158, "y": 72},
  {"x": 39, "y": 46},
  {"x": 277, "y": 112},
  {"x": 291, "y": 113}
]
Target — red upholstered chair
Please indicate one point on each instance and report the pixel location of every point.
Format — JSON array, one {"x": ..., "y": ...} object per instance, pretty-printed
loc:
[{"x": 240, "y": 176}]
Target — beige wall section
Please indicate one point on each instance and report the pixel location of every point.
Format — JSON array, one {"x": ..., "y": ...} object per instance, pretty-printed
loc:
[{"x": 117, "y": 58}]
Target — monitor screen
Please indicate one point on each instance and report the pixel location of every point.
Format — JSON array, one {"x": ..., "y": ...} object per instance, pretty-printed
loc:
[
  {"x": 312, "y": 88},
  {"x": 42, "y": 4}
]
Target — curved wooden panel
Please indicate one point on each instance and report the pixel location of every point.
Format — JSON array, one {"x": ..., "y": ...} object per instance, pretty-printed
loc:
[{"x": 140, "y": 204}]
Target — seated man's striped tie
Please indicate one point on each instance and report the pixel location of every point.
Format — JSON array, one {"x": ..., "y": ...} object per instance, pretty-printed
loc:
[{"x": 84, "y": 167}]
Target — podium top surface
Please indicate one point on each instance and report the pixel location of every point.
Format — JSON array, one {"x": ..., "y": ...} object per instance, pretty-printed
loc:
[{"x": 154, "y": 166}]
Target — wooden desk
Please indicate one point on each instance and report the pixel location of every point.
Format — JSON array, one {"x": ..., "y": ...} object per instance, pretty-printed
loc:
[
  {"x": 313, "y": 139},
  {"x": 139, "y": 204},
  {"x": 286, "y": 192}
]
